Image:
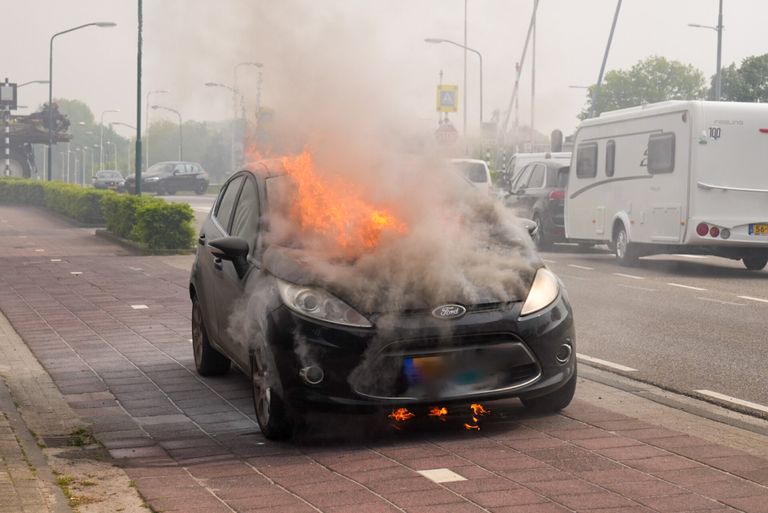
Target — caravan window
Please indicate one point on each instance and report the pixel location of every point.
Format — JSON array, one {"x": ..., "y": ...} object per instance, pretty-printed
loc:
[
  {"x": 586, "y": 161},
  {"x": 610, "y": 158},
  {"x": 661, "y": 153}
]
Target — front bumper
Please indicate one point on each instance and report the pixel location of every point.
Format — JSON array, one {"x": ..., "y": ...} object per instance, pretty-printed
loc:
[{"x": 490, "y": 354}]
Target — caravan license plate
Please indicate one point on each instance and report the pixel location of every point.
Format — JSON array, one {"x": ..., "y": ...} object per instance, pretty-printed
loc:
[{"x": 758, "y": 229}]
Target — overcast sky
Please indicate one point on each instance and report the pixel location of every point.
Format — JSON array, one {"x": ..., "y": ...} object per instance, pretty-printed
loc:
[{"x": 190, "y": 42}]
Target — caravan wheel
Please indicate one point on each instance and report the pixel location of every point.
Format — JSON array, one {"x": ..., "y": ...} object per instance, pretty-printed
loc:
[
  {"x": 625, "y": 250},
  {"x": 755, "y": 263}
]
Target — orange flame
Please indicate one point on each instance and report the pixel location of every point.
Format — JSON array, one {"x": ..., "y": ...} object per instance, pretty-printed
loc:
[
  {"x": 401, "y": 415},
  {"x": 334, "y": 208},
  {"x": 438, "y": 412},
  {"x": 478, "y": 409},
  {"x": 471, "y": 427}
]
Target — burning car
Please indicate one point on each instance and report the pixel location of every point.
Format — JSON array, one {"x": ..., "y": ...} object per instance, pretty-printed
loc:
[{"x": 355, "y": 328}]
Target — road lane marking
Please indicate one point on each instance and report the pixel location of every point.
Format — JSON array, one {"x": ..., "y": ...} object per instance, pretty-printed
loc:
[
  {"x": 139, "y": 307},
  {"x": 548, "y": 261},
  {"x": 201, "y": 209},
  {"x": 76, "y": 273},
  {"x": 632, "y": 276},
  {"x": 583, "y": 267},
  {"x": 441, "y": 475},
  {"x": 606, "y": 363},
  {"x": 720, "y": 301},
  {"x": 55, "y": 259},
  {"x": 733, "y": 400},
  {"x": 760, "y": 300},
  {"x": 646, "y": 289},
  {"x": 685, "y": 286}
]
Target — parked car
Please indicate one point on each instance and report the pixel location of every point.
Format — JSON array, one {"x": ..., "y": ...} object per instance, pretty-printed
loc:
[
  {"x": 108, "y": 179},
  {"x": 538, "y": 193},
  {"x": 474, "y": 171},
  {"x": 523, "y": 348},
  {"x": 171, "y": 177}
]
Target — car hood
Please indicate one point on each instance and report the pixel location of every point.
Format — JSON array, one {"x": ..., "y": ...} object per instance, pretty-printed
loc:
[{"x": 302, "y": 267}]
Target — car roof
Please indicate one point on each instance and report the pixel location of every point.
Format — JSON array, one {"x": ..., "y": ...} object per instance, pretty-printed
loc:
[{"x": 267, "y": 168}]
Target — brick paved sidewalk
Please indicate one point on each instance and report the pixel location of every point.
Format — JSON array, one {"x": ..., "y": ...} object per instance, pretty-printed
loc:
[{"x": 191, "y": 444}]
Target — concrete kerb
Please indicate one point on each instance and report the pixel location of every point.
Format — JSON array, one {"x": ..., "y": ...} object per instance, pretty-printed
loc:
[
  {"x": 36, "y": 412},
  {"x": 137, "y": 248}
]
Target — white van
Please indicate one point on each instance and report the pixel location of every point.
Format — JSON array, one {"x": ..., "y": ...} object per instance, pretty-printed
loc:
[
  {"x": 474, "y": 171},
  {"x": 673, "y": 177}
]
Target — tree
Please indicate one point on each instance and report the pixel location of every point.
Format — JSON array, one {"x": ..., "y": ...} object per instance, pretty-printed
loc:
[
  {"x": 652, "y": 80},
  {"x": 747, "y": 83}
]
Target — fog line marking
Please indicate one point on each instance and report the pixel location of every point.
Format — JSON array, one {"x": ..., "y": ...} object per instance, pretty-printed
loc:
[
  {"x": 734, "y": 400},
  {"x": 646, "y": 289},
  {"x": 583, "y": 267},
  {"x": 441, "y": 475},
  {"x": 760, "y": 300},
  {"x": 632, "y": 276},
  {"x": 612, "y": 365},
  {"x": 720, "y": 301},
  {"x": 680, "y": 285}
]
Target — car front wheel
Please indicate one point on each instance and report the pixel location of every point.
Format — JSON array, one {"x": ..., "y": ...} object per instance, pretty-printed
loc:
[
  {"x": 201, "y": 189},
  {"x": 208, "y": 361},
  {"x": 271, "y": 411},
  {"x": 555, "y": 401}
]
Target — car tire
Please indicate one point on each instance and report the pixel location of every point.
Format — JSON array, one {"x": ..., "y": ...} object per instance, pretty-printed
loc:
[
  {"x": 271, "y": 411},
  {"x": 170, "y": 191},
  {"x": 626, "y": 253},
  {"x": 208, "y": 361},
  {"x": 539, "y": 238},
  {"x": 554, "y": 401},
  {"x": 755, "y": 263},
  {"x": 201, "y": 189}
]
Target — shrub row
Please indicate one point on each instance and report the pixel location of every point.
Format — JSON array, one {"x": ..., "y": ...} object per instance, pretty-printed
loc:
[{"x": 151, "y": 222}]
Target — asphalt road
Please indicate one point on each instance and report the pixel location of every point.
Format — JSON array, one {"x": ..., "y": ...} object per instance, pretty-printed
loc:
[{"x": 687, "y": 323}]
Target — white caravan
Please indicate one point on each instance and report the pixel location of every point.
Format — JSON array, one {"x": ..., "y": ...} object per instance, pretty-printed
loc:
[{"x": 673, "y": 177}]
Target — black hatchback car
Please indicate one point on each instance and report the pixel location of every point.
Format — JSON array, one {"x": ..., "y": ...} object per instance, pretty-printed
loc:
[
  {"x": 305, "y": 344},
  {"x": 171, "y": 177},
  {"x": 538, "y": 193}
]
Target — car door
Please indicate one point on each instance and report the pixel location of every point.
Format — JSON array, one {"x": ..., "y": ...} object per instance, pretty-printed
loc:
[
  {"x": 530, "y": 195},
  {"x": 214, "y": 227},
  {"x": 231, "y": 298},
  {"x": 516, "y": 199}
]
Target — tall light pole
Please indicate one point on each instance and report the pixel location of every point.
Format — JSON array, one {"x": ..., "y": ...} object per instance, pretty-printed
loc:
[
  {"x": 146, "y": 134},
  {"x": 235, "y": 94},
  {"x": 596, "y": 91},
  {"x": 479, "y": 55},
  {"x": 32, "y": 82},
  {"x": 101, "y": 24},
  {"x": 181, "y": 132},
  {"x": 719, "y": 30},
  {"x": 101, "y": 138}
]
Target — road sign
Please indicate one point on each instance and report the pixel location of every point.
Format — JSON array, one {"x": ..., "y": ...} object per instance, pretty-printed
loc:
[
  {"x": 447, "y": 98},
  {"x": 8, "y": 95},
  {"x": 446, "y": 133}
]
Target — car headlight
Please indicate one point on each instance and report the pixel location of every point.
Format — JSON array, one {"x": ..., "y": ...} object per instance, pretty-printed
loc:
[
  {"x": 321, "y": 305},
  {"x": 544, "y": 291}
]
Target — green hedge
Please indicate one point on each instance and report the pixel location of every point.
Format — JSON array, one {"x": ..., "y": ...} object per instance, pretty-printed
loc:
[{"x": 149, "y": 221}]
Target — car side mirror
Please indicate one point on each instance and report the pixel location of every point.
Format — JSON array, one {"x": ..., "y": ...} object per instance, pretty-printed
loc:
[{"x": 233, "y": 249}]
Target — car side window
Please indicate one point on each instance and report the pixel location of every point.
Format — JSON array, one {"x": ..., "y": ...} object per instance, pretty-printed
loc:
[
  {"x": 245, "y": 223},
  {"x": 227, "y": 202},
  {"x": 522, "y": 178},
  {"x": 179, "y": 169},
  {"x": 537, "y": 177}
]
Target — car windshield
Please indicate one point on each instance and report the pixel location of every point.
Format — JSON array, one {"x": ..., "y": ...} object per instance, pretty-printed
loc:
[
  {"x": 162, "y": 168},
  {"x": 473, "y": 171}
]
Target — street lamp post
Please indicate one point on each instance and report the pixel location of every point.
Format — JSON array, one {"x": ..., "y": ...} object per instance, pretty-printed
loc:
[
  {"x": 31, "y": 82},
  {"x": 146, "y": 134},
  {"x": 101, "y": 24},
  {"x": 480, "y": 57},
  {"x": 181, "y": 132},
  {"x": 719, "y": 30},
  {"x": 101, "y": 138},
  {"x": 235, "y": 93}
]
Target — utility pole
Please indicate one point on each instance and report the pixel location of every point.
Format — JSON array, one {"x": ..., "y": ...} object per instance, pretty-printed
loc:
[
  {"x": 533, "y": 80},
  {"x": 464, "y": 108},
  {"x": 137, "y": 168},
  {"x": 719, "y": 76},
  {"x": 596, "y": 93}
]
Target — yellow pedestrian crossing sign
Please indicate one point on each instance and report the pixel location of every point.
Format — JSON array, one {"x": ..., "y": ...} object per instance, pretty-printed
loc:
[{"x": 447, "y": 98}]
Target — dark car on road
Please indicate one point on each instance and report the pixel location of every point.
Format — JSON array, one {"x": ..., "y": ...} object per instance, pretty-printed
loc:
[
  {"x": 302, "y": 340},
  {"x": 107, "y": 179},
  {"x": 171, "y": 177},
  {"x": 538, "y": 193}
]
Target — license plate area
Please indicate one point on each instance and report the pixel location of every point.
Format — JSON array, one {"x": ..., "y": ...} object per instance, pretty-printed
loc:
[{"x": 758, "y": 229}]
